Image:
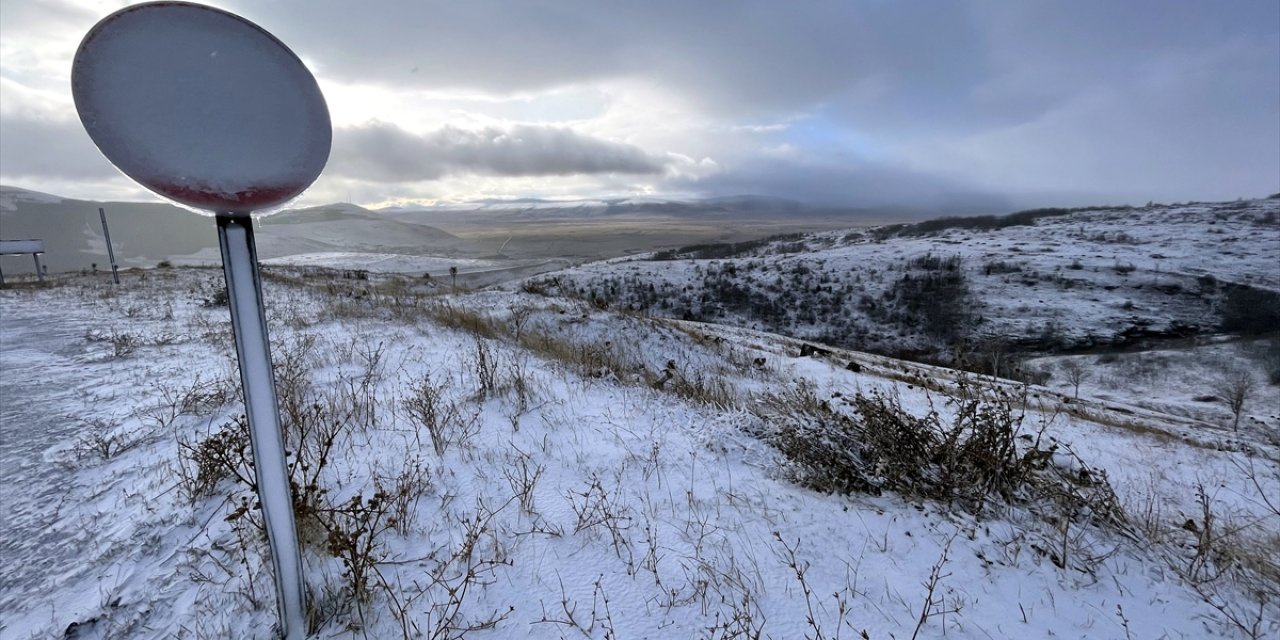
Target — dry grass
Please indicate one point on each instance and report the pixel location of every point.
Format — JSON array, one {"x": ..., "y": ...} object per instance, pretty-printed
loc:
[{"x": 982, "y": 454}]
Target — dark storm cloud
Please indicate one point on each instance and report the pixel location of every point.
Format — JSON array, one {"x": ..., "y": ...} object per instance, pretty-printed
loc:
[
  {"x": 741, "y": 55},
  {"x": 933, "y": 62},
  {"x": 383, "y": 152},
  {"x": 1027, "y": 59},
  {"x": 862, "y": 184}
]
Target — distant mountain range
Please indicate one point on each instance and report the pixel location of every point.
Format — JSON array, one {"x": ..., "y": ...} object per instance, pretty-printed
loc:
[
  {"x": 145, "y": 233},
  {"x": 742, "y": 207}
]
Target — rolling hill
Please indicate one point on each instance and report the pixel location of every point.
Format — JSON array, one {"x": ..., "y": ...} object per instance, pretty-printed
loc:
[{"x": 146, "y": 233}]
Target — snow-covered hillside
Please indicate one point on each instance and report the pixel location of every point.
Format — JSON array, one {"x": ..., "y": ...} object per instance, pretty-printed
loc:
[
  {"x": 12, "y": 197},
  {"x": 1045, "y": 279},
  {"x": 501, "y": 464}
]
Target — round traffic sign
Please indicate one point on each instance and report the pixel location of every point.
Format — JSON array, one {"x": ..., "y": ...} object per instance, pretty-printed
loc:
[{"x": 201, "y": 106}]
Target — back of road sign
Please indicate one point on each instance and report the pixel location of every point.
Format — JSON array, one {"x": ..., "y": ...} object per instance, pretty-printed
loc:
[{"x": 201, "y": 106}]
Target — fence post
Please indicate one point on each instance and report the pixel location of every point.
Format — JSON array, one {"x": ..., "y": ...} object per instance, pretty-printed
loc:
[{"x": 115, "y": 273}]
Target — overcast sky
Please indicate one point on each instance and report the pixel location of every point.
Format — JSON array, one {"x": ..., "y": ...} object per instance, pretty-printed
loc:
[{"x": 993, "y": 104}]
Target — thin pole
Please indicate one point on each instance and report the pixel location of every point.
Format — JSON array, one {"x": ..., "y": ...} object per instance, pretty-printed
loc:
[
  {"x": 249, "y": 322},
  {"x": 39, "y": 271},
  {"x": 115, "y": 273}
]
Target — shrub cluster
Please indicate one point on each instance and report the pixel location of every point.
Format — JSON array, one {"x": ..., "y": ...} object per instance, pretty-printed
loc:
[
  {"x": 980, "y": 223},
  {"x": 318, "y": 425},
  {"x": 925, "y": 307},
  {"x": 934, "y": 297},
  {"x": 716, "y": 250},
  {"x": 981, "y": 455},
  {"x": 1250, "y": 310}
]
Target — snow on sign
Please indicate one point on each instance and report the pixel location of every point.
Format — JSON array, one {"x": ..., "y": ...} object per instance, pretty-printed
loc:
[
  {"x": 15, "y": 247},
  {"x": 21, "y": 247},
  {"x": 210, "y": 110},
  {"x": 201, "y": 106}
]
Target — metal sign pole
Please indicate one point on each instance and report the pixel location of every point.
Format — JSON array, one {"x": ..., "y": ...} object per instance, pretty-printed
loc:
[
  {"x": 111, "y": 253},
  {"x": 219, "y": 86},
  {"x": 248, "y": 320}
]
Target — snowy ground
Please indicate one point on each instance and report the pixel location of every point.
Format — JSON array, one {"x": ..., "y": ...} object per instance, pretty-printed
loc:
[
  {"x": 1181, "y": 383},
  {"x": 574, "y": 499}
]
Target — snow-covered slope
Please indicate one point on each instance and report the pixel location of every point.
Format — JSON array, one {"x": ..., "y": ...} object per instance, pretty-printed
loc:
[
  {"x": 555, "y": 470},
  {"x": 1057, "y": 278}
]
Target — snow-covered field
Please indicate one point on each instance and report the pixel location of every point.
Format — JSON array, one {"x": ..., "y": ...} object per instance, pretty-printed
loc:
[{"x": 593, "y": 474}]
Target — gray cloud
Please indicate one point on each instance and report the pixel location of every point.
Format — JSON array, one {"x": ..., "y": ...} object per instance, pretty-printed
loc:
[
  {"x": 842, "y": 183},
  {"x": 740, "y": 56},
  {"x": 383, "y": 152},
  {"x": 1024, "y": 60},
  {"x": 902, "y": 75},
  {"x": 39, "y": 147},
  {"x": 1202, "y": 124},
  {"x": 916, "y": 63},
  {"x": 1162, "y": 100}
]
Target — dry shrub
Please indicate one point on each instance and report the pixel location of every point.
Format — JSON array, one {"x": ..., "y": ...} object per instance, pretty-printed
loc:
[
  {"x": 591, "y": 359},
  {"x": 223, "y": 455},
  {"x": 318, "y": 424},
  {"x": 1229, "y": 560},
  {"x": 701, "y": 387},
  {"x": 354, "y": 535},
  {"x": 824, "y": 449},
  {"x": 982, "y": 454},
  {"x": 457, "y": 317},
  {"x": 447, "y": 424}
]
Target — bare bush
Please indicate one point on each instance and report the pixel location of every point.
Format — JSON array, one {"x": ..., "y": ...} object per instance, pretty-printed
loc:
[
  {"x": 800, "y": 568},
  {"x": 475, "y": 559},
  {"x": 1234, "y": 388},
  {"x": 199, "y": 397},
  {"x": 403, "y": 491},
  {"x": 317, "y": 423},
  {"x": 519, "y": 316},
  {"x": 104, "y": 440},
  {"x": 983, "y": 453},
  {"x": 355, "y": 531},
  {"x": 1076, "y": 373},
  {"x": 123, "y": 344},
  {"x": 935, "y": 604},
  {"x": 431, "y": 407},
  {"x": 223, "y": 455},
  {"x": 1236, "y": 574},
  {"x": 484, "y": 365},
  {"x": 595, "y": 507},
  {"x": 522, "y": 384},
  {"x": 522, "y": 477}
]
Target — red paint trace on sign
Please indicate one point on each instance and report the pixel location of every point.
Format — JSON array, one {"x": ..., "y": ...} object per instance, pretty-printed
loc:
[{"x": 255, "y": 199}]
